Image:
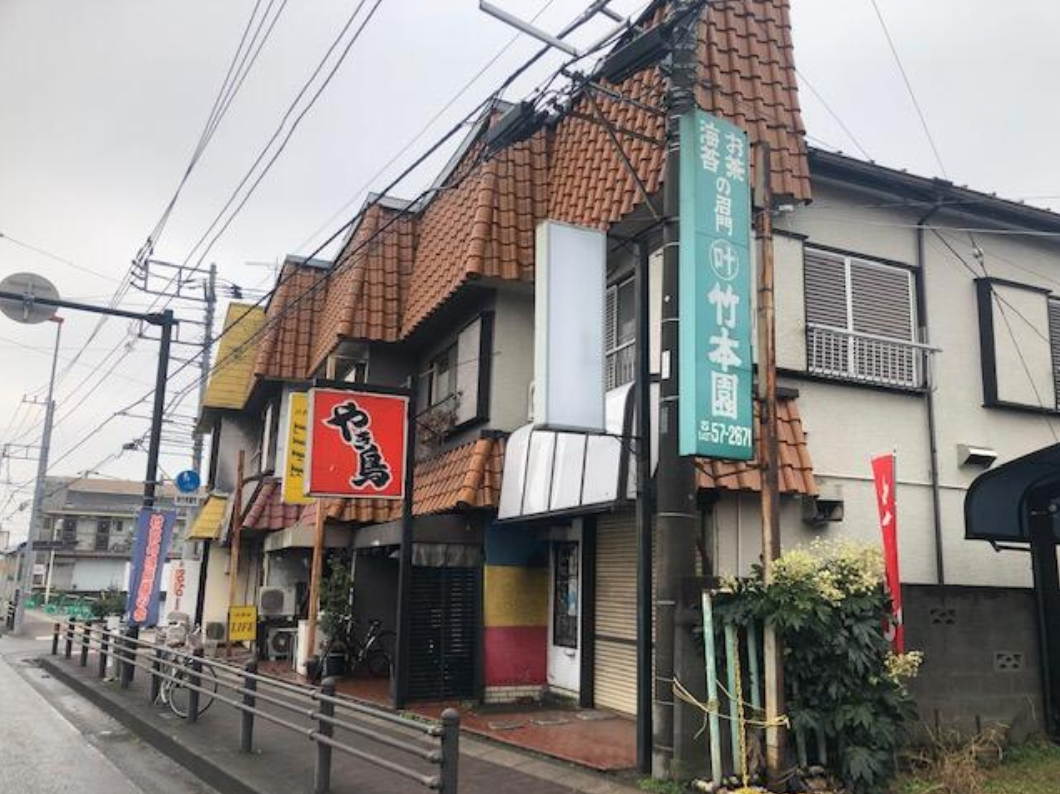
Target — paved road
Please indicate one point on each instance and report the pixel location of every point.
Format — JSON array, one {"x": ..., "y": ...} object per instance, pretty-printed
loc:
[{"x": 54, "y": 742}]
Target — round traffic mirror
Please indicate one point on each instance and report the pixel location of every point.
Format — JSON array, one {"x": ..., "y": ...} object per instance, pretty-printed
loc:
[{"x": 31, "y": 287}]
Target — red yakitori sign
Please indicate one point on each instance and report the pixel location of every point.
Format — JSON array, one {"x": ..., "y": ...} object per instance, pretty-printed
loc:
[{"x": 358, "y": 444}]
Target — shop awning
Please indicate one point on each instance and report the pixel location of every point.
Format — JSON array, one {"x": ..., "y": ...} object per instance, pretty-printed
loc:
[
  {"x": 549, "y": 473},
  {"x": 302, "y": 537},
  {"x": 996, "y": 505},
  {"x": 210, "y": 519}
]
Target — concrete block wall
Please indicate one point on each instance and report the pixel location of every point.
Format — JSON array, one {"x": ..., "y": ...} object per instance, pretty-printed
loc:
[{"x": 981, "y": 664}]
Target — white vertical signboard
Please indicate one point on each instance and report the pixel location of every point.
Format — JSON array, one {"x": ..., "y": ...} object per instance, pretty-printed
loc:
[{"x": 570, "y": 281}]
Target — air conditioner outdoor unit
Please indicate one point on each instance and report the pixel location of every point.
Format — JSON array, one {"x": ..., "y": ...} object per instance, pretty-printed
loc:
[
  {"x": 274, "y": 602},
  {"x": 280, "y": 643},
  {"x": 215, "y": 631}
]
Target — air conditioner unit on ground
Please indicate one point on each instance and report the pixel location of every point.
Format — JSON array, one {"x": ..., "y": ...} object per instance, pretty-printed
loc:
[
  {"x": 215, "y": 632},
  {"x": 280, "y": 643},
  {"x": 274, "y": 602}
]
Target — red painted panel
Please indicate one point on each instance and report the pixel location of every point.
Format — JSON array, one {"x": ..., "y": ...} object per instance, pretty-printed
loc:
[{"x": 516, "y": 655}]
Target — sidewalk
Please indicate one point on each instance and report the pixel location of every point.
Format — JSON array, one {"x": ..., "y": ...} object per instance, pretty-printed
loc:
[{"x": 282, "y": 762}]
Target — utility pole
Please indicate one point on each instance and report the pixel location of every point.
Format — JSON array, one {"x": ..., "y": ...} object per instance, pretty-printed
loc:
[
  {"x": 237, "y": 532},
  {"x": 676, "y": 519},
  {"x": 37, "y": 511},
  {"x": 770, "y": 496},
  {"x": 210, "y": 300}
]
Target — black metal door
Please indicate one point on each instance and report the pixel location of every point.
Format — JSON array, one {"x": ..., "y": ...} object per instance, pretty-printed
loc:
[{"x": 443, "y": 633}]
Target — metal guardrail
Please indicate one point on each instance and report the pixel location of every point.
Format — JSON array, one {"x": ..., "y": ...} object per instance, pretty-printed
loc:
[{"x": 325, "y": 711}]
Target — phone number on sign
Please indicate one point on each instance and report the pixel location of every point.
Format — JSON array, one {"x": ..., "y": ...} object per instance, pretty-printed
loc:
[{"x": 723, "y": 433}]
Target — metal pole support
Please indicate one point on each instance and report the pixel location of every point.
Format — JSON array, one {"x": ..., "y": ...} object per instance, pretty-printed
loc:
[
  {"x": 86, "y": 639},
  {"x": 250, "y": 683},
  {"x": 69, "y": 637},
  {"x": 156, "y": 670},
  {"x": 196, "y": 681},
  {"x": 56, "y": 628},
  {"x": 322, "y": 779},
  {"x": 450, "y": 750},
  {"x": 126, "y": 654},
  {"x": 104, "y": 647}
]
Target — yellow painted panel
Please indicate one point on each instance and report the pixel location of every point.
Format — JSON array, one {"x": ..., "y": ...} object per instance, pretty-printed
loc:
[
  {"x": 207, "y": 524},
  {"x": 294, "y": 465},
  {"x": 243, "y": 624},
  {"x": 233, "y": 371},
  {"x": 515, "y": 596}
]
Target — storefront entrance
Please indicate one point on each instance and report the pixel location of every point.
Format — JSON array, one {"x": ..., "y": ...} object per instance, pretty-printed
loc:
[{"x": 565, "y": 605}]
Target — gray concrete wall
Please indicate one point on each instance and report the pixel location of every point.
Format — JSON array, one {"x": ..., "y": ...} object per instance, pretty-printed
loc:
[
  {"x": 513, "y": 359},
  {"x": 980, "y": 657}
]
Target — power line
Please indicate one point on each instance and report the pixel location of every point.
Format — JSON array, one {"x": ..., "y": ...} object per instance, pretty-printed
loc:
[
  {"x": 37, "y": 250},
  {"x": 909, "y": 88},
  {"x": 834, "y": 115}
]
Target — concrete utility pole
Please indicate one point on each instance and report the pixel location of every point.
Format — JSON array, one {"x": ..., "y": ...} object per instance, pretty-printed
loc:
[
  {"x": 36, "y": 515},
  {"x": 210, "y": 301},
  {"x": 770, "y": 496},
  {"x": 676, "y": 515}
]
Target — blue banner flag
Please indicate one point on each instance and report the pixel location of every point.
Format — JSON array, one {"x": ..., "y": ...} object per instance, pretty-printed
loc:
[
  {"x": 716, "y": 412},
  {"x": 154, "y": 530}
]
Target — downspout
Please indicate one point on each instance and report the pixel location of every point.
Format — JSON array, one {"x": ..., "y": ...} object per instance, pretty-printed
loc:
[{"x": 929, "y": 397}]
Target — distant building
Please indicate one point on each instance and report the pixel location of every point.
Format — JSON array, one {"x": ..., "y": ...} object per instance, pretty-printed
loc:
[{"x": 94, "y": 520}]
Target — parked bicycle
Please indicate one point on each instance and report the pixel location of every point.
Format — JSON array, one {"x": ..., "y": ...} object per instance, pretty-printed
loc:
[
  {"x": 175, "y": 693},
  {"x": 372, "y": 651}
]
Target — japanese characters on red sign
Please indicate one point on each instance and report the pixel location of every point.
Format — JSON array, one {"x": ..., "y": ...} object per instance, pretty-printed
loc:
[
  {"x": 883, "y": 472},
  {"x": 358, "y": 444}
]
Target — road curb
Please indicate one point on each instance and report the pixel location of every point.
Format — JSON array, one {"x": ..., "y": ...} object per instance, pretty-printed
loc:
[{"x": 209, "y": 772}]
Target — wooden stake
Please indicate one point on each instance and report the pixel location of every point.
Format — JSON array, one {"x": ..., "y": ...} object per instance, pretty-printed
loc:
[
  {"x": 770, "y": 495},
  {"x": 237, "y": 531},
  {"x": 314, "y": 579}
]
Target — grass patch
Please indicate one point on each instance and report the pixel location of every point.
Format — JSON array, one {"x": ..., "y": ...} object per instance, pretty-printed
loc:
[
  {"x": 653, "y": 786},
  {"x": 1027, "y": 769},
  {"x": 1032, "y": 768}
]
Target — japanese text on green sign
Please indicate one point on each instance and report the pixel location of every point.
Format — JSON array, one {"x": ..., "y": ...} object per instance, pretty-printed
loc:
[{"x": 716, "y": 410}]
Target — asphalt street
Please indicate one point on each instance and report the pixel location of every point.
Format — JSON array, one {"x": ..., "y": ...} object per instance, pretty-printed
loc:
[{"x": 52, "y": 741}]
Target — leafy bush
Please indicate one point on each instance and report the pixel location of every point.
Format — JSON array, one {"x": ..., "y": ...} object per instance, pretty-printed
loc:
[
  {"x": 829, "y": 607},
  {"x": 336, "y": 600},
  {"x": 110, "y": 602}
]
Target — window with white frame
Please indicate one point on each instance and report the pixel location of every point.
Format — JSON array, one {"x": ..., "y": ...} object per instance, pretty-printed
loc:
[
  {"x": 620, "y": 332},
  {"x": 861, "y": 320}
]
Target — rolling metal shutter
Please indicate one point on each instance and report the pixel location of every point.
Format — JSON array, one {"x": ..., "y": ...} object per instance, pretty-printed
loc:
[
  {"x": 616, "y": 613},
  {"x": 443, "y": 633}
]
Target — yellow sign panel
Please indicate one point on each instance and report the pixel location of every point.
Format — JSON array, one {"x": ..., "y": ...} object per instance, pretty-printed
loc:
[
  {"x": 294, "y": 465},
  {"x": 243, "y": 624}
]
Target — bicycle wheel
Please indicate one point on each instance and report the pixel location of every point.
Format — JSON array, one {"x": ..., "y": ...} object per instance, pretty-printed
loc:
[
  {"x": 380, "y": 657},
  {"x": 178, "y": 695}
]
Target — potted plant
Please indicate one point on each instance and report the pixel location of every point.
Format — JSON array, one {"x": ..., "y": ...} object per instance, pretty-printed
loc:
[{"x": 336, "y": 619}]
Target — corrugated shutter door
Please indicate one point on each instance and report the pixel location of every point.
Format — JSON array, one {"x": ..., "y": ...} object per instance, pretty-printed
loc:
[
  {"x": 616, "y": 613},
  {"x": 1054, "y": 345},
  {"x": 825, "y": 284},
  {"x": 881, "y": 300}
]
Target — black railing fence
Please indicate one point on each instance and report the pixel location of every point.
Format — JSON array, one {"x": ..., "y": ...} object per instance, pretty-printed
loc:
[{"x": 322, "y": 712}]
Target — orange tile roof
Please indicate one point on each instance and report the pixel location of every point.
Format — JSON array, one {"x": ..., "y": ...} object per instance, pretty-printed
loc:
[
  {"x": 287, "y": 343},
  {"x": 795, "y": 466},
  {"x": 462, "y": 478},
  {"x": 267, "y": 510}
]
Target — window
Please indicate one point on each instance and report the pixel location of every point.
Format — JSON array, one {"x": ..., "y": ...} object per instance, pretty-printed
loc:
[
  {"x": 68, "y": 530},
  {"x": 438, "y": 382},
  {"x": 620, "y": 331},
  {"x": 861, "y": 321},
  {"x": 102, "y": 534}
]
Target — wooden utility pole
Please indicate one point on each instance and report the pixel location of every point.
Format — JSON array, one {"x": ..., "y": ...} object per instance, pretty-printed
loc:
[
  {"x": 767, "y": 401},
  {"x": 237, "y": 531}
]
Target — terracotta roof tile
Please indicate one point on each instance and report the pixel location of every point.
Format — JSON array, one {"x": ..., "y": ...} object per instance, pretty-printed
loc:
[
  {"x": 267, "y": 510},
  {"x": 795, "y": 466},
  {"x": 465, "y": 477},
  {"x": 286, "y": 346}
]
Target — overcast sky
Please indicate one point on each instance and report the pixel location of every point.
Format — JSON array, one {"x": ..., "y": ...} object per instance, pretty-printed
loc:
[{"x": 101, "y": 104}]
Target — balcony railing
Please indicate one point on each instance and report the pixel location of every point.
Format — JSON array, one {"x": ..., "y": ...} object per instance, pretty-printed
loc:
[
  {"x": 621, "y": 365},
  {"x": 867, "y": 358}
]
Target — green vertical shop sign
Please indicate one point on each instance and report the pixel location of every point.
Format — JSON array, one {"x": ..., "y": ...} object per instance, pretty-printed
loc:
[{"x": 716, "y": 409}]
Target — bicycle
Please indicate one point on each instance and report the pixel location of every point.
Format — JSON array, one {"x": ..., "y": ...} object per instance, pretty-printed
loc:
[
  {"x": 374, "y": 651},
  {"x": 175, "y": 693}
]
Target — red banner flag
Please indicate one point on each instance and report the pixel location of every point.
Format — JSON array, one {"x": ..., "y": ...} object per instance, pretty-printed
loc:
[{"x": 884, "y": 468}]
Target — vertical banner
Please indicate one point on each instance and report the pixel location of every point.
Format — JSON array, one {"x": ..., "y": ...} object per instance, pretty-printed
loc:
[
  {"x": 182, "y": 589},
  {"x": 716, "y": 415},
  {"x": 358, "y": 444},
  {"x": 884, "y": 470},
  {"x": 154, "y": 528},
  {"x": 295, "y": 449}
]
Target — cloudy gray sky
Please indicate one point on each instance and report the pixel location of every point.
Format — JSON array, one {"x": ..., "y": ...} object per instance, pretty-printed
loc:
[{"x": 101, "y": 104}]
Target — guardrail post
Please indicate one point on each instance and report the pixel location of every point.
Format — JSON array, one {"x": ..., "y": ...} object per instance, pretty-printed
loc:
[
  {"x": 86, "y": 638},
  {"x": 126, "y": 655},
  {"x": 55, "y": 638},
  {"x": 450, "y": 750},
  {"x": 69, "y": 637},
  {"x": 196, "y": 681},
  {"x": 322, "y": 779},
  {"x": 104, "y": 647},
  {"x": 156, "y": 671},
  {"x": 246, "y": 733}
]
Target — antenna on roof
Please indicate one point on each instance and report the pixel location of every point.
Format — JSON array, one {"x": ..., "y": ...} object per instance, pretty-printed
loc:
[{"x": 597, "y": 7}]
